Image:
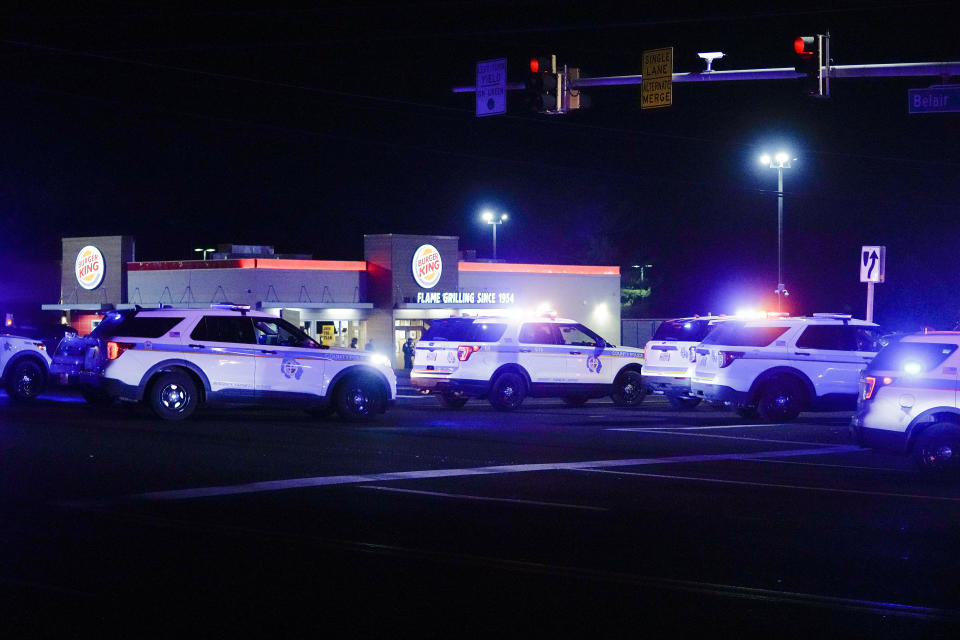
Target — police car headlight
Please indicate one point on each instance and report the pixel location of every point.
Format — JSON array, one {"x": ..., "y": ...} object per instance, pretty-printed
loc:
[{"x": 380, "y": 360}]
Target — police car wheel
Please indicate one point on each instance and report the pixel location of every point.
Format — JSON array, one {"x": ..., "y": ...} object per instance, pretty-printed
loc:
[
  {"x": 683, "y": 402},
  {"x": 508, "y": 391},
  {"x": 25, "y": 381},
  {"x": 628, "y": 389},
  {"x": 357, "y": 398},
  {"x": 575, "y": 401},
  {"x": 173, "y": 396},
  {"x": 781, "y": 399},
  {"x": 452, "y": 400},
  {"x": 937, "y": 451}
]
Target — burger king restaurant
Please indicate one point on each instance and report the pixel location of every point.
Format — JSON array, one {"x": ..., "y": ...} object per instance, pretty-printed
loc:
[{"x": 401, "y": 285}]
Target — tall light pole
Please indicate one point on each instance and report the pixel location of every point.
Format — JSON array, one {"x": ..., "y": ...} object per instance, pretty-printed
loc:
[
  {"x": 780, "y": 161},
  {"x": 494, "y": 220},
  {"x": 204, "y": 252}
]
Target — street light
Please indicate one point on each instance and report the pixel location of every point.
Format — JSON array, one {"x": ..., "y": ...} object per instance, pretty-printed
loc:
[
  {"x": 642, "y": 267},
  {"x": 204, "y": 252},
  {"x": 780, "y": 161},
  {"x": 493, "y": 220}
]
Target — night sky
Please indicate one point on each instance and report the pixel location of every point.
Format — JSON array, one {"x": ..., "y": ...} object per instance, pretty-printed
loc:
[{"x": 307, "y": 126}]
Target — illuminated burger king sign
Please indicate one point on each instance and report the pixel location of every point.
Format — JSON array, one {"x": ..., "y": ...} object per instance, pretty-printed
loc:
[
  {"x": 427, "y": 266},
  {"x": 89, "y": 267}
]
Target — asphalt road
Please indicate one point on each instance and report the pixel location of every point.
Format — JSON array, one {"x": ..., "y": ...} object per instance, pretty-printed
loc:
[{"x": 547, "y": 521}]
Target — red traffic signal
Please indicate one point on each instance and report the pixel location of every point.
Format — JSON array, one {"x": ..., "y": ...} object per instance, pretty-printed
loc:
[
  {"x": 805, "y": 45},
  {"x": 812, "y": 53},
  {"x": 543, "y": 64}
]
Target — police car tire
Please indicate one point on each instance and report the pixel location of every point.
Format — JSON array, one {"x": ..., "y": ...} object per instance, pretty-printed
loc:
[
  {"x": 575, "y": 401},
  {"x": 25, "y": 380},
  {"x": 357, "y": 398},
  {"x": 508, "y": 391},
  {"x": 681, "y": 402},
  {"x": 628, "y": 389},
  {"x": 937, "y": 450},
  {"x": 781, "y": 399},
  {"x": 453, "y": 400},
  {"x": 173, "y": 396}
]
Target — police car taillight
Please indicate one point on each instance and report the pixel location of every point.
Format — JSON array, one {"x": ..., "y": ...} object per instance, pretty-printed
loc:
[
  {"x": 114, "y": 349},
  {"x": 873, "y": 383},
  {"x": 464, "y": 351},
  {"x": 726, "y": 357}
]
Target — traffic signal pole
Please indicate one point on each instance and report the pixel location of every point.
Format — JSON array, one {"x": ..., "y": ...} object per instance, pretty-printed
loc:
[{"x": 834, "y": 72}]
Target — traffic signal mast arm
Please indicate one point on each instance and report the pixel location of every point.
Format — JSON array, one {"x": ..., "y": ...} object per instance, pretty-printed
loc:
[{"x": 903, "y": 69}]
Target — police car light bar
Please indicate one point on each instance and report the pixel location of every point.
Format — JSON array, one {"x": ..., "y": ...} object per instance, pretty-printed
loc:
[
  {"x": 242, "y": 308},
  {"x": 838, "y": 316}
]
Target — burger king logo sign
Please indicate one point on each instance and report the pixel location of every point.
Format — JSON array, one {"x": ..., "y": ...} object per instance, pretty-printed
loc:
[
  {"x": 89, "y": 267},
  {"x": 427, "y": 266}
]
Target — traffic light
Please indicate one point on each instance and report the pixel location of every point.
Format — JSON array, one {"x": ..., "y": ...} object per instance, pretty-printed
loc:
[
  {"x": 543, "y": 85},
  {"x": 813, "y": 60}
]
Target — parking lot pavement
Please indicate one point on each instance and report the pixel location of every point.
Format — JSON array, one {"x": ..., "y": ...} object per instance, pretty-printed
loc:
[{"x": 752, "y": 525}]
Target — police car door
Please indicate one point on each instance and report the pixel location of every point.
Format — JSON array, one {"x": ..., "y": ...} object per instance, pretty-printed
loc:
[
  {"x": 834, "y": 364},
  {"x": 224, "y": 347},
  {"x": 583, "y": 349},
  {"x": 288, "y": 361},
  {"x": 540, "y": 352}
]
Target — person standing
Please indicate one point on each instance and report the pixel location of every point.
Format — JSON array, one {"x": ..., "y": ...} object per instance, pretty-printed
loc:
[
  {"x": 369, "y": 345},
  {"x": 353, "y": 343},
  {"x": 408, "y": 354}
]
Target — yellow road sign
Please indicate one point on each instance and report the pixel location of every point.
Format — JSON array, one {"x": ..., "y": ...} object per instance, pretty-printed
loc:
[{"x": 657, "y": 87}]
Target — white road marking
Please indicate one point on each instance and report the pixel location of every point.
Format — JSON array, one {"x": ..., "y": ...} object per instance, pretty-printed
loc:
[
  {"x": 884, "y": 494},
  {"x": 713, "y": 435},
  {"x": 836, "y": 466},
  {"x": 461, "y": 496},
  {"x": 723, "y": 426},
  {"x": 322, "y": 481}
]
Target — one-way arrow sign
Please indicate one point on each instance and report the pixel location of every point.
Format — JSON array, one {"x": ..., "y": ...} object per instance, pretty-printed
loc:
[{"x": 872, "y": 263}]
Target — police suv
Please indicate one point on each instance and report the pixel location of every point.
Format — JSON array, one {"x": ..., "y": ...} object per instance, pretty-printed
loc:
[
  {"x": 781, "y": 366},
  {"x": 175, "y": 360},
  {"x": 908, "y": 400},
  {"x": 24, "y": 365},
  {"x": 670, "y": 356},
  {"x": 505, "y": 360}
]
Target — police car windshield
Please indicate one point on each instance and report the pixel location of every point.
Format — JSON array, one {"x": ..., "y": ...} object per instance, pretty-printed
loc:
[
  {"x": 682, "y": 330},
  {"x": 463, "y": 330},
  {"x": 911, "y": 357}
]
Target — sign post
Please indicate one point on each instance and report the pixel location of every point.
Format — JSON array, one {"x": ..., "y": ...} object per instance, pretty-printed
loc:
[
  {"x": 491, "y": 87},
  {"x": 873, "y": 263},
  {"x": 656, "y": 89}
]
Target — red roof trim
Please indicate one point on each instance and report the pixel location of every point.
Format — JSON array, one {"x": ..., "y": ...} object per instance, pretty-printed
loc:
[
  {"x": 251, "y": 263},
  {"x": 173, "y": 265},
  {"x": 565, "y": 269},
  {"x": 312, "y": 265}
]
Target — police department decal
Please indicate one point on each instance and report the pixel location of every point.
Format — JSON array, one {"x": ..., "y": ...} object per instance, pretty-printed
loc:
[
  {"x": 593, "y": 364},
  {"x": 291, "y": 368}
]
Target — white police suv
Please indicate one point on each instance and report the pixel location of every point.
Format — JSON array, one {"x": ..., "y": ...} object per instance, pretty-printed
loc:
[
  {"x": 781, "y": 366},
  {"x": 505, "y": 360},
  {"x": 908, "y": 400},
  {"x": 670, "y": 356},
  {"x": 24, "y": 365},
  {"x": 175, "y": 360}
]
